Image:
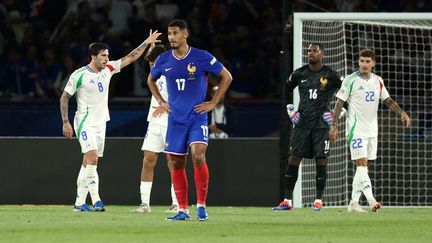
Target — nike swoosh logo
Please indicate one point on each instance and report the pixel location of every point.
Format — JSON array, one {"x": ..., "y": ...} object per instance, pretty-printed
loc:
[
  {"x": 167, "y": 69},
  {"x": 304, "y": 80}
]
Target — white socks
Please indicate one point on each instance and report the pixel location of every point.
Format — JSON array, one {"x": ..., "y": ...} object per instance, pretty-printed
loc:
[
  {"x": 362, "y": 183},
  {"x": 92, "y": 180},
  {"x": 289, "y": 201},
  {"x": 145, "y": 190},
  {"x": 173, "y": 196},
  {"x": 82, "y": 189}
]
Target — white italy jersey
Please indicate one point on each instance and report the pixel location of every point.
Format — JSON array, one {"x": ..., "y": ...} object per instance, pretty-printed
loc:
[
  {"x": 92, "y": 93},
  {"x": 163, "y": 119},
  {"x": 363, "y": 97}
]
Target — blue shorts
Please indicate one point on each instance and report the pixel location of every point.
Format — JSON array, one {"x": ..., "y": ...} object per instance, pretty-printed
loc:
[{"x": 180, "y": 135}]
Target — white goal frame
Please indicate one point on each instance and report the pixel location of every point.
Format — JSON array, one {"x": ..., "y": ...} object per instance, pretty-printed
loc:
[{"x": 298, "y": 50}]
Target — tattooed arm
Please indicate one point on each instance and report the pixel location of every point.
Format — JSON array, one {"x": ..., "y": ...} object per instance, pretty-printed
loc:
[
  {"x": 334, "y": 133},
  {"x": 393, "y": 106},
  {"x": 135, "y": 54},
  {"x": 64, "y": 110}
]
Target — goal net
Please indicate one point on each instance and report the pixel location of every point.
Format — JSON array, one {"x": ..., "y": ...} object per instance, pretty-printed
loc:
[{"x": 402, "y": 173}]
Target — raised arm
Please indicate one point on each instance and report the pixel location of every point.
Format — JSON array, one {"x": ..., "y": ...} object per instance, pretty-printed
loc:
[
  {"x": 64, "y": 110},
  {"x": 137, "y": 52},
  {"x": 393, "y": 106},
  {"x": 225, "y": 81},
  {"x": 334, "y": 133}
]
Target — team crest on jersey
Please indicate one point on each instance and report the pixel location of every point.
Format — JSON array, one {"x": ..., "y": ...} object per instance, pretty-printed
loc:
[
  {"x": 323, "y": 81},
  {"x": 191, "y": 69}
]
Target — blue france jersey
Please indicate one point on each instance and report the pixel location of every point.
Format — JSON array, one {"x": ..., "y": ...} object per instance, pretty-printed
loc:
[{"x": 186, "y": 80}]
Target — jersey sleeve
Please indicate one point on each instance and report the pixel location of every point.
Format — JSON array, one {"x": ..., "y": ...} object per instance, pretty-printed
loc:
[
  {"x": 344, "y": 91},
  {"x": 384, "y": 94},
  {"x": 211, "y": 64},
  {"x": 72, "y": 84},
  {"x": 156, "y": 70},
  {"x": 335, "y": 79},
  {"x": 292, "y": 82},
  {"x": 114, "y": 66}
]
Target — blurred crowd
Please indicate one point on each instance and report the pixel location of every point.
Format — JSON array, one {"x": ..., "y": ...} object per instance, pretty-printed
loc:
[{"x": 43, "y": 41}]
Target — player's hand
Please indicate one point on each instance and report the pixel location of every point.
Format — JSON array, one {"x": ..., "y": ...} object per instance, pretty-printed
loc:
[
  {"x": 406, "y": 119},
  {"x": 153, "y": 37},
  {"x": 293, "y": 114},
  {"x": 67, "y": 130},
  {"x": 333, "y": 133},
  {"x": 204, "y": 107},
  {"x": 160, "y": 110},
  {"x": 214, "y": 129}
]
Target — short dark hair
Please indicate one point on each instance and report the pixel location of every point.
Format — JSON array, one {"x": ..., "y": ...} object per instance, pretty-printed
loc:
[
  {"x": 179, "y": 23},
  {"x": 318, "y": 44},
  {"x": 155, "y": 52},
  {"x": 367, "y": 53},
  {"x": 95, "y": 48}
]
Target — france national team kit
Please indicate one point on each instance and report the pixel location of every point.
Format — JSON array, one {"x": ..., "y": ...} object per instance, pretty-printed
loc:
[{"x": 187, "y": 87}]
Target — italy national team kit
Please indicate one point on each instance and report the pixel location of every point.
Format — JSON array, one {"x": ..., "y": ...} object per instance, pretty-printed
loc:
[
  {"x": 92, "y": 104},
  {"x": 187, "y": 87}
]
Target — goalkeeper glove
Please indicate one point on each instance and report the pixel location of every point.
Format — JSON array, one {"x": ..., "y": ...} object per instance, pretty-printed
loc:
[
  {"x": 294, "y": 115},
  {"x": 328, "y": 117}
]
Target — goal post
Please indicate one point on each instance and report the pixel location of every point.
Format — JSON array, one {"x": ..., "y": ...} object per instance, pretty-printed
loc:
[{"x": 402, "y": 173}]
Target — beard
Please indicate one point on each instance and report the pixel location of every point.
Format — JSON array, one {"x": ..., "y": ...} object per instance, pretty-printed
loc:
[
  {"x": 174, "y": 46},
  {"x": 313, "y": 62}
]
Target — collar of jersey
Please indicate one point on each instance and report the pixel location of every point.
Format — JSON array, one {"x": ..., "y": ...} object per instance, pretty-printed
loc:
[
  {"x": 361, "y": 76},
  {"x": 89, "y": 69},
  {"x": 172, "y": 52}
]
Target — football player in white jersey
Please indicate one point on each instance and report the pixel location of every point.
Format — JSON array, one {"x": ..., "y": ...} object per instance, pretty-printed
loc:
[
  {"x": 154, "y": 141},
  {"x": 90, "y": 85},
  {"x": 363, "y": 90}
]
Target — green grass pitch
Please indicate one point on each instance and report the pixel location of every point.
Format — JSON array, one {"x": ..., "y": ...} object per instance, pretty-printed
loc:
[{"x": 226, "y": 224}]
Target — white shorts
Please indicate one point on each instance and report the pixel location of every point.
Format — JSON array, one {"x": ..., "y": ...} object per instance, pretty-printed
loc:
[
  {"x": 91, "y": 138},
  {"x": 155, "y": 138},
  {"x": 363, "y": 148}
]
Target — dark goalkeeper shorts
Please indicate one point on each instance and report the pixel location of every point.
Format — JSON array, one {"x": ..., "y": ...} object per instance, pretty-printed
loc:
[{"x": 310, "y": 143}]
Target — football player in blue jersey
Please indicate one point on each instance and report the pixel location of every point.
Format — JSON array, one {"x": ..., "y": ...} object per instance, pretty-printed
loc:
[{"x": 185, "y": 69}]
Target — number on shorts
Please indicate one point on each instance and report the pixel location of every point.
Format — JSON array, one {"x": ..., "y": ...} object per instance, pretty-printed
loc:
[
  {"x": 326, "y": 146},
  {"x": 357, "y": 143},
  {"x": 205, "y": 131},
  {"x": 84, "y": 135}
]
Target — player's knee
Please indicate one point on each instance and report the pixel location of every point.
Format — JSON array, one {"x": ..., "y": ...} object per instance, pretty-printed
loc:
[
  {"x": 294, "y": 160},
  {"x": 91, "y": 157},
  {"x": 198, "y": 158},
  {"x": 361, "y": 162},
  {"x": 149, "y": 162},
  {"x": 321, "y": 161},
  {"x": 150, "y": 158},
  {"x": 178, "y": 162}
]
